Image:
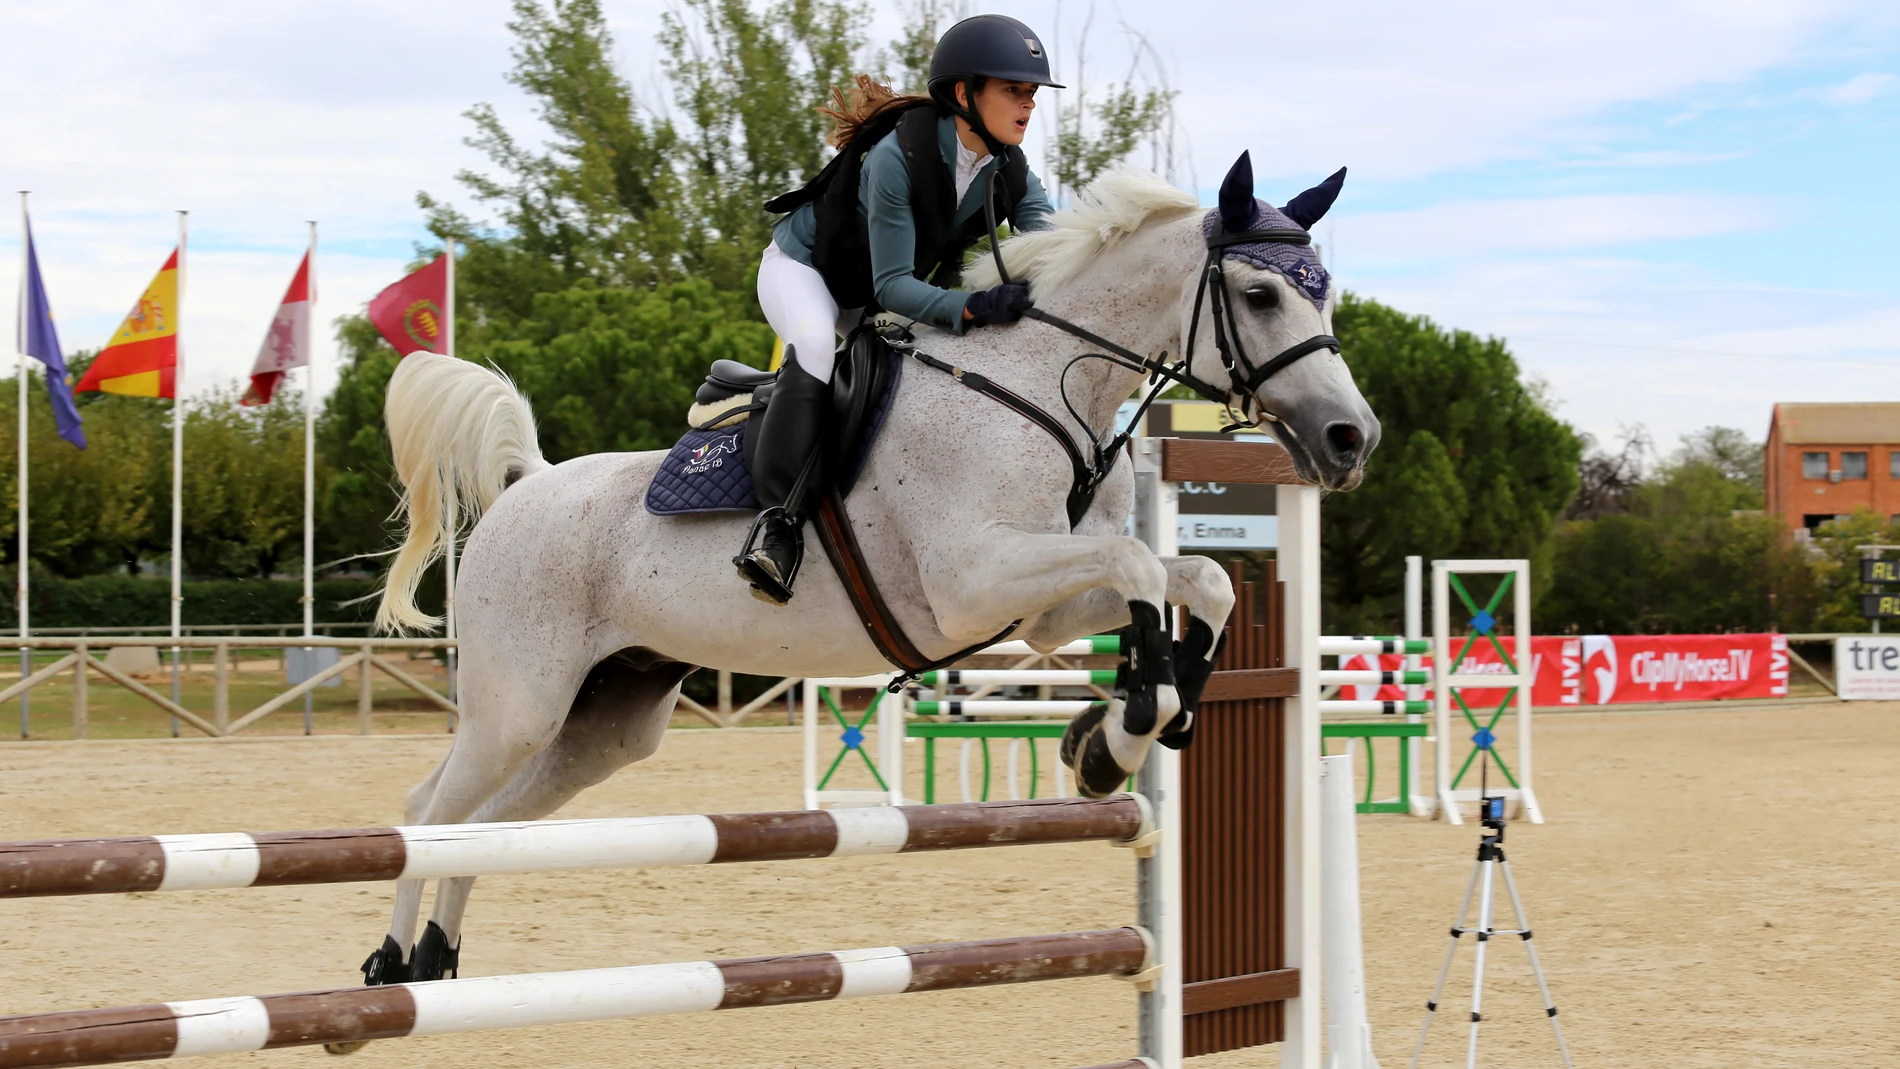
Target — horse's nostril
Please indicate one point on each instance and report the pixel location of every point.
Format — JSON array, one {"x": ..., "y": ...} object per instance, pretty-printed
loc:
[{"x": 1345, "y": 440}]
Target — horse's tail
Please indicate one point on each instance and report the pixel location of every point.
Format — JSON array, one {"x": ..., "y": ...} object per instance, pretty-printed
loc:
[{"x": 460, "y": 434}]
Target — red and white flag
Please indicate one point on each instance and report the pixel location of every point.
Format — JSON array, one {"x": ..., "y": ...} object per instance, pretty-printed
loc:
[{"x": 287, "y": 344}]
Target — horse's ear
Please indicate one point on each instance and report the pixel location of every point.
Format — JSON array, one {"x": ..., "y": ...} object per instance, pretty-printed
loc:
[
  {"x": 1236, "y": 195},
  {"x": 1307, "y": 208}
]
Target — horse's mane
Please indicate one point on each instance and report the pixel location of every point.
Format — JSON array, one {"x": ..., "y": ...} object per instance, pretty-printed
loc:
[{"x": 1119, "y": 202}]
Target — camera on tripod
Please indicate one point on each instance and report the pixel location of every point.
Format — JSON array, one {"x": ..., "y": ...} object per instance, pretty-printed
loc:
[{"x": 1491, "y": 812}]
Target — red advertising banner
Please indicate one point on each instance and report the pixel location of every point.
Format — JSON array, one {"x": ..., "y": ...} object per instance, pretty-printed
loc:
[{"x": 1623, "y": 669}]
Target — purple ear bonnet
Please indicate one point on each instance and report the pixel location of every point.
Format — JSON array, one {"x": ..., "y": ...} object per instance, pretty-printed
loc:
[
  {"x": 1240, "y": 211},
  {"x": 1298, "y": 264}
]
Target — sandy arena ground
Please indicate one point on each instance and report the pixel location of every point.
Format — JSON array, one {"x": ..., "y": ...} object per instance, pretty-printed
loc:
[{"x": 1712, "y": 890}]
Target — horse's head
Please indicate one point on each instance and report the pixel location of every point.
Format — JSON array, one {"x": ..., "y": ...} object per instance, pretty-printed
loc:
[{"x": 1257, "y": 316}]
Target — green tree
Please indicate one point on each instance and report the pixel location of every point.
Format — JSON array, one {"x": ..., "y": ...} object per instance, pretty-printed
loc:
[
  {"x": 580, "y": 289},
  {"x": 1095, "y": 132},
  {"x": 615, "y": 369},
  {"x": 1730, "y": 451},
  {"x": 600, "y": 200},
  {"x": 906, "y": 62},
  {"x": 1692, "y": 554},
  {"x": 359, "y": 494},
  {"x": 91, "y": 510},
  {"x": 1473, "y": 462},
  {"x": 1825, "y": 595},
  {"x": 1686, "y": 548},
  {"x": 748, "y": 83},
  {"x": 243, "y": 481}
]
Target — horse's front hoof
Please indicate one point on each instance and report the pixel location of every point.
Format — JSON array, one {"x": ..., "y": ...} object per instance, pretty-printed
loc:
[
  {"x": 1097, "y": 773},
  {"x": 351, "y": 1047},
  {"x": 1077, "y": 730},
  {"x": 1085, "y": 750}
]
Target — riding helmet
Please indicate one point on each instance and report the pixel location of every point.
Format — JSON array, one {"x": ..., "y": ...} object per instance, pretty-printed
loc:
[{"x": 989, "y": 46}]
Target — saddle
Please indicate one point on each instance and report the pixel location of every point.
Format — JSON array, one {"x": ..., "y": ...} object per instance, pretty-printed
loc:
[
  {"x": 863, "y": 382},
  {"x": 697, "y": 477}
]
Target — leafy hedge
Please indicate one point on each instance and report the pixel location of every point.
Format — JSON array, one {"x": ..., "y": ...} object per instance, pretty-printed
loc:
[{"x": 140, "y": 601}]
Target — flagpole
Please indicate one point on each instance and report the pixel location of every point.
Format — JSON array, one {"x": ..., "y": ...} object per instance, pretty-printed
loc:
[
  {"x": 455, "y": 519},
  {"x": 178, "y": 465},
  {"x": 310, "y": 449},
  {"x": 309, "y": 467},
  {"x": 20, "y": 588}
]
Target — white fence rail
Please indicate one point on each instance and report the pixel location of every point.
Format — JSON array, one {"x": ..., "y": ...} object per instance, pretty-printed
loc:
[{"x": 366, "y": 656}]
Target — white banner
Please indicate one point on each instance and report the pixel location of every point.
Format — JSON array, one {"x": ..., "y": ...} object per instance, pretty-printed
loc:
[
  {"x": 1200, "y": 530},
  {"x": 1867, "y": 668}
]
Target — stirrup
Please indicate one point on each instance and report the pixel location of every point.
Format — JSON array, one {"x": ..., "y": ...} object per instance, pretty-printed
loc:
[{"x": 765, "y": 585}]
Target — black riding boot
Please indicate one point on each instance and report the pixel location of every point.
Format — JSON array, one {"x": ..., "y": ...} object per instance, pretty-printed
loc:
[{"x": 782, "y": 454}]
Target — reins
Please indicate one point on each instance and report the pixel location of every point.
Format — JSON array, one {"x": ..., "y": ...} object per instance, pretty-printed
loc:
[{"x": 1244, "y": 377}]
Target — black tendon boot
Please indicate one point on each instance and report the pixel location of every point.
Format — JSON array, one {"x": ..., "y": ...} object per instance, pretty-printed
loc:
[
  {"x": 433, "y": 957},
  {"x": 782, "y": 455},
  {"x": 1147, "y": 666}
]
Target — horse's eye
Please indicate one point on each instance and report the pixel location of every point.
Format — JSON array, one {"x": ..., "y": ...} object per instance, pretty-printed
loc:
[{"x": 1263, "y": 297}]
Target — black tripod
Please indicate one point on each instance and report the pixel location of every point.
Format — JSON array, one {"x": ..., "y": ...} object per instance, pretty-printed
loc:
[{"x": 1490, "y": 860}]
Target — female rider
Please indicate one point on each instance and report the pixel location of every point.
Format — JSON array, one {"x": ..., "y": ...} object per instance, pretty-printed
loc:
[{"x": 885, "y": 227}]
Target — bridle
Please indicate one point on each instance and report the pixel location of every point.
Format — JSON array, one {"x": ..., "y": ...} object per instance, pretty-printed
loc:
[
  {"x": 1244, "y": 376},
  {"x": 1089, "y": 472}
]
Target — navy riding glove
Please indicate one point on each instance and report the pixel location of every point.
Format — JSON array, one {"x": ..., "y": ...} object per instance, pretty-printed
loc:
[{"x": 999, "y": 304}]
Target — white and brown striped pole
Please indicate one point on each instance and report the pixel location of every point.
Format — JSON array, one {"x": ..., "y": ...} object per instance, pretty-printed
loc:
[
  {"x": 239, "y": 859},
  {"x": 234, "y": 1025}
]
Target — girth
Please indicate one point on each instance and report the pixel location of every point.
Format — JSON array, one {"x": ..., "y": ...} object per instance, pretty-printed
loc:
[{"x": 880, "y": 624}]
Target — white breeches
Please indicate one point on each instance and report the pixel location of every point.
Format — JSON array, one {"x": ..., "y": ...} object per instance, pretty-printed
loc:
[{"x": 801, "y": 310}]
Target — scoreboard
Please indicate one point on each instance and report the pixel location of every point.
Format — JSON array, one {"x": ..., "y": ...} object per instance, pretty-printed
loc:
[
  {"x": 1883, "y": 606},
  {"x": 1880, "y": 603}
]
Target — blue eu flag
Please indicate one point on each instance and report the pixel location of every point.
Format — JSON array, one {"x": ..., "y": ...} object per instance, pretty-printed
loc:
[{"x": 40, "y": 340}]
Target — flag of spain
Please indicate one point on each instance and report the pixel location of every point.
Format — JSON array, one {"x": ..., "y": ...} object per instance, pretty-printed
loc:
[{"x": 141, "y": 360}]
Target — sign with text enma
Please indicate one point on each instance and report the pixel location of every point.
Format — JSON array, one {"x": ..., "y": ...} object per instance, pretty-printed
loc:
[{"x": 1867, "y": 667}]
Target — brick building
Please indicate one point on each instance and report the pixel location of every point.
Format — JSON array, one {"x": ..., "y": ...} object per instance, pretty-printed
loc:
[{"x": 1828, "y": 460}]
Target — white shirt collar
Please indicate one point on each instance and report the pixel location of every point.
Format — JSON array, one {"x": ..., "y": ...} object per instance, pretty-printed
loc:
[{"x": 968, "y": 164}]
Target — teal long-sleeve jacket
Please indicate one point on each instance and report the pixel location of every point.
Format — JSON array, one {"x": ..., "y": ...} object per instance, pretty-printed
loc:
[{"x": 884, "y": 207}]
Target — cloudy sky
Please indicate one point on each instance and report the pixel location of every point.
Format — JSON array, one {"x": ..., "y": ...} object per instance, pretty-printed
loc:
[{"x": 1677, "y": 211}]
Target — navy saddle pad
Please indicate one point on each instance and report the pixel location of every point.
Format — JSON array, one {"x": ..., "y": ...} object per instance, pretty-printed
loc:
[{"x": 705, "y": 471}]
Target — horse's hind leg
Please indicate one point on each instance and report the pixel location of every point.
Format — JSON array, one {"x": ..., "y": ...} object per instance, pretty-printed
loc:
[
  {"x": 486, "y": 754},
  {"x": 511, "y": 713},
  {"x": 618, "y": 718},
  {"x": 385, "y": 965}
]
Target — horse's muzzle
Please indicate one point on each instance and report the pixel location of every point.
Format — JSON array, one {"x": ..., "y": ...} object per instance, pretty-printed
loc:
[{"x": 1332, "y": 455}]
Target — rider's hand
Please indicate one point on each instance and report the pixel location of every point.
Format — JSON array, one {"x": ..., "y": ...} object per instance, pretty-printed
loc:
[{"x": 999, "y": 304}]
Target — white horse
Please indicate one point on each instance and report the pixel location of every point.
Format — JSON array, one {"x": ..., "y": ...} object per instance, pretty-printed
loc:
[{"x": 580, "y": 613}]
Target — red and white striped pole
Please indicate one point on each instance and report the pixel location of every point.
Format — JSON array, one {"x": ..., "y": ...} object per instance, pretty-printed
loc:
[{"x": 349, "y": 1015}]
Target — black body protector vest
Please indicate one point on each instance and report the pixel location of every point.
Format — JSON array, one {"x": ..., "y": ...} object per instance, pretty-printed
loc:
[{"x": 840, "y": 252}]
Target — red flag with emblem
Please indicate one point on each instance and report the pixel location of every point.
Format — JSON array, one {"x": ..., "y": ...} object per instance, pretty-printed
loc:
[{"x": 411, "y": 312}]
